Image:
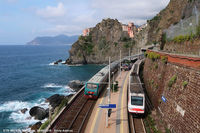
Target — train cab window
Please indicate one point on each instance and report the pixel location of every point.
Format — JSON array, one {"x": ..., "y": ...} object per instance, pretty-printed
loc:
[
  {"x": 135, "y": 100},
  {"x": 91, "y": 86}
]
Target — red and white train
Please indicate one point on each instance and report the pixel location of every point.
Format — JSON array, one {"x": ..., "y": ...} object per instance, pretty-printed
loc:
[{"x": 136, "y": 95}]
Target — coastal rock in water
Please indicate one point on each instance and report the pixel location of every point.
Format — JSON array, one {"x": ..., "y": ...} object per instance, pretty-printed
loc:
[
  {"x": 24, "y": 110},
  {"x": 75, "y": 84},
  {"x": 38, "y": 112},
  {"x": 55, "y": 100},
  {"x": 58, "y": 61},
  {"x": 36, "y": 126}
]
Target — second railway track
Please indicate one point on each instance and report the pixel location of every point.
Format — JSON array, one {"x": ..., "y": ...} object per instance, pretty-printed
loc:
[{"x": 75, "y": 115}]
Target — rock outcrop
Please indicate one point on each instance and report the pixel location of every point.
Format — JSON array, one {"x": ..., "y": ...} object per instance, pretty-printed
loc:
[
  {"x": 38, "y": 113},
  {"x": 106, "y": 39},
  {"x": 76, "y": 85},
  {"x": 55, "y": 100}
]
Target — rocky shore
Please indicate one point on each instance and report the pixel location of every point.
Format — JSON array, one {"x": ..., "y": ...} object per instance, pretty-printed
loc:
[{"x": 56, "y": 102}]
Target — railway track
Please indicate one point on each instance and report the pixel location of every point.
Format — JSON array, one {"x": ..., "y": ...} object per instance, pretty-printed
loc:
[
  {"x": 136, "y": 125},
  {"x": 75, "y": 116}
]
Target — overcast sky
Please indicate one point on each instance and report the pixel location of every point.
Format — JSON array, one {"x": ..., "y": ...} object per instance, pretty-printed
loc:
[{"x": 23, "y": 20}]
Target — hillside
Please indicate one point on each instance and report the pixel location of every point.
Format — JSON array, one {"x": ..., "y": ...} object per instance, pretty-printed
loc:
[
  {"x": 168, "y": 16},
  {"x": 106, "y": 39},
  {"x": 57, "y": 40}
]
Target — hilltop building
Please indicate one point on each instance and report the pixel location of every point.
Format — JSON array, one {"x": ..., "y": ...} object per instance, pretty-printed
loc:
[
  {"x": 86, "y": 31},
  {"x": 130, "y": 28}
]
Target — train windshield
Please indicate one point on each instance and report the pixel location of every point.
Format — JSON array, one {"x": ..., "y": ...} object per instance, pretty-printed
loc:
[
  {"x": 91, "y": 86},
  {"x": 135, "y": 100}
]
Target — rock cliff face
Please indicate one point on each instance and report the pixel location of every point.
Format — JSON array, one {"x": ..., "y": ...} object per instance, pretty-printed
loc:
[
  {"x": 106, "y": 39},
  {"x": 170, "y": 15}
]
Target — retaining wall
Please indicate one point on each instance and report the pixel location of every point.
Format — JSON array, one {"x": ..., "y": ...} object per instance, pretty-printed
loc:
[{"x": 181, "y": 110}]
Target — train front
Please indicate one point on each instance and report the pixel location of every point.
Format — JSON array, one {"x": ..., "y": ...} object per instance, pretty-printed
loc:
[
  {"x": 136, "y": 104},
  {"x": 91, "y": 90}
]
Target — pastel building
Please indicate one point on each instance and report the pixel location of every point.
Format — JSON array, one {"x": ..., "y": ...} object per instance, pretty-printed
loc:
[
  {"x": 129, "y": 28},
  {"x": 86, "y": 32}
]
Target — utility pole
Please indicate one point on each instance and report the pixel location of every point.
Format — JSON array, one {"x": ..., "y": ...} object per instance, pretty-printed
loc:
[
  {"x": 109, "y": 84},
  {"x": 120, "y": 64},
  {"x": 108, "y": 95}
]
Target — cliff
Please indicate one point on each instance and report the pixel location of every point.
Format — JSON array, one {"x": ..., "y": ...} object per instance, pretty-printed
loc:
[
  {"x": 168, "y": 16},
  {"x": 106, "y": 39}
]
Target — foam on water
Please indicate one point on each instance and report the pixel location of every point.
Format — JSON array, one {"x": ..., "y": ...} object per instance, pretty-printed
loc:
[
  {"x": 16, "y": 106},
  {"x": 61, "y": 89},
  {"x": 51, "y": 85}
]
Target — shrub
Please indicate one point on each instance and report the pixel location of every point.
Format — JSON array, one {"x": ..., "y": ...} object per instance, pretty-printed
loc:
[
  {"x": 156, "y": 66},
  {"x": 115, "y": 43},
  {"x": 116, "y": 86},
  {"x": 198, "y": 30},
  {"x": 44, "y": 125},
  {"x": 172, "y": 81},
  {"x": 145, "y": 54},
  {"x": 184, "y": 84},
  {"x": 164, "y": 59},
  {"x": 153, "y": 56}
]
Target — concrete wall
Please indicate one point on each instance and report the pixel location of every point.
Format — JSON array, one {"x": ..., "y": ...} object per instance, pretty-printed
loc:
[{"x": 181, "y": 111}]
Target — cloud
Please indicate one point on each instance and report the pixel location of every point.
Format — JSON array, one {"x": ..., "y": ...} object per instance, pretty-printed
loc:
[
  {"x": 52, "y": 12},
  {"x": 69, "y": 17},
  {"x": 137, "y": 11}
]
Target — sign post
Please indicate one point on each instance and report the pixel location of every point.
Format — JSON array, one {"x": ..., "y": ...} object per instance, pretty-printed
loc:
[{"x": 108, "y": 111}]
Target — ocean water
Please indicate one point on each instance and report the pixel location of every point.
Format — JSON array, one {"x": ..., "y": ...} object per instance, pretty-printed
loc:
[{"x": 27, "y": 78}]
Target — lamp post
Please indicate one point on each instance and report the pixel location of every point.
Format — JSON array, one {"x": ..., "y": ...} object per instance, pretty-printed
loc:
[{"x": 113, "y": 82}]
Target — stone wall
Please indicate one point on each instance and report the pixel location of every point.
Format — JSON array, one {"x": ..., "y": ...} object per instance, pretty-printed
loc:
[
  {"x": 181, "y": 111},
  {"x": 187, "y": 47}
]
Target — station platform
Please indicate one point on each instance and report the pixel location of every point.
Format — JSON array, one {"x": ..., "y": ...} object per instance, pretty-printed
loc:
[{"x": 118, "y": 121}]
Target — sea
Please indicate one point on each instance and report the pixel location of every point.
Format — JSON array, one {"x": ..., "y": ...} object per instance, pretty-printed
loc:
[{"x": 28, "y": 77}]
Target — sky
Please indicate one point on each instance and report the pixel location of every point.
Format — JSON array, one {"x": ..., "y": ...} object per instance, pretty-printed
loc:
[{"x": 23, "y": 20}]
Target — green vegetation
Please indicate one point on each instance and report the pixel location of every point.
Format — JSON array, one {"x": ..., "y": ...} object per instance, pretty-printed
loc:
[
  {"x": 56, "y": 111},
  {"x": 102, "y": 43},
  {"x": 115, "y": 43},
  {"x": 154, "y": 56},
  {"x": 125, "y": 39},
  {"x": 129, "y": 44},
  {"x": 189, "y": 1},
  {"x": 164, "y": 59},
  {"x": 184, "y": 84},
  {"x": 167, "y": 130},
  {"x": 172, "y": 81},
  {"x": 189, "y": 37},
  {"x": 156, "y": 66},
  {"x": 145, "y": 54},
  {"x": 156, "y": 18},
  {"x": 115, "y": 86},
  {"x": 150, "y": 125},
  {"x": 163, "y": 40},
  {"x": 88, "y": 47}
]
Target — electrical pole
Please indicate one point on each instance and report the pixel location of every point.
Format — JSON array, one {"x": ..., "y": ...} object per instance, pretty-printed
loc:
[
  {"x": 108, "y": 95},
  {"x": 120, "y": 64}
]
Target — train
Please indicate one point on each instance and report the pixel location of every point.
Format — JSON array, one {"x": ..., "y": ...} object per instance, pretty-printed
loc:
[
  {"x": 94, "y": 86},
  {"x": 136, "y": 95}
]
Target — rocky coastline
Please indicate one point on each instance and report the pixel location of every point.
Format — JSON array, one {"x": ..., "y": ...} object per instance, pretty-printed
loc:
[{"x": 56, "y": 102}]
